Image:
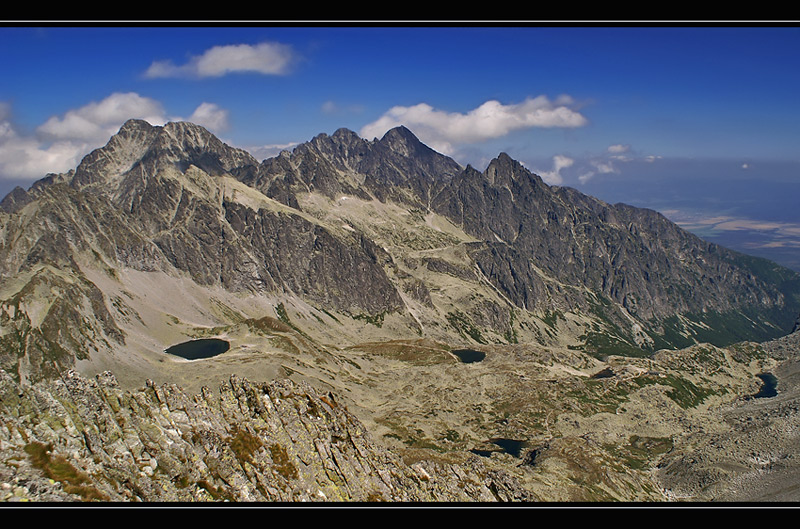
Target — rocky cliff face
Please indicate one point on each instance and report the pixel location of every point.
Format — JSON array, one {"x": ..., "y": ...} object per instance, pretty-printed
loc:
[
  {"x": 636, "y": 258},
  {"x": 541, "y": 245}
]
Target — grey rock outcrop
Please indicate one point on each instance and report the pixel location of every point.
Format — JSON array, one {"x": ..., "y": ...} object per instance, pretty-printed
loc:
[{"x": 75, "y": 439}]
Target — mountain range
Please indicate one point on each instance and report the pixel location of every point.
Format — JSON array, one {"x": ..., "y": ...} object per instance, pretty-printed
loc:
[
  {"x": 387, "y": 232},
  {"x": 320, "y": 261}
]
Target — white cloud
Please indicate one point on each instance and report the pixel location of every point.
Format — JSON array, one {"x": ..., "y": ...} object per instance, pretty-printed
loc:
[
  {"x": 210, "y": 116},
  {"x": 267, "y": 58},
  {"x": 61, "y": 142},
  {"x": 262, "y": 152},
  {"x": 554, "y": 176},
  {"x": 333, "y": 108},
  {"x": 601, "y": 167},
  {"x": 442, "y": 130},
  {"x": 97, "y": 121},
  {"x": 609, "y": 162},
  {"x": 604, "y": 167},
  {"x": 619, "y": 152},
  {"x": 619, "y": 149},
  {"x": 329, "y": 107},
  {"x": 27, "y": 158}
]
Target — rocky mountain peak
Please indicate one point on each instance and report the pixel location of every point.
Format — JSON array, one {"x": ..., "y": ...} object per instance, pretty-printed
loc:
[
  {"x": 503, "y": 170},
  {"x": 344, "y": 148},
  {"x": 15, "y": 200},
  {"x": 401, "y": 133},
  {"x": 402, "y": 141},
  {"x": 346, "y": 135},
  {"x": 398, "y": 166},
  {"x": 149, "y": 147},
  {"x": 184, "y": 144},
  {"x": 134, "y": 126},
  {"x": 119, "y": 154}
]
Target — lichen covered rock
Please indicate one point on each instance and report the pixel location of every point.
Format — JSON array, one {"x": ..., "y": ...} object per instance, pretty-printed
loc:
[{"x": 77, "y": 439}]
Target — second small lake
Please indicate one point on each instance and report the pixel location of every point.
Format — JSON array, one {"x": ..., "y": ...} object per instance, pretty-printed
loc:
[
  {"x": 770, "y": 387},
  {"x": 509, "y": 446},
  {"x": 197, "y": 349},
  {"x": 469, "y": 356}
]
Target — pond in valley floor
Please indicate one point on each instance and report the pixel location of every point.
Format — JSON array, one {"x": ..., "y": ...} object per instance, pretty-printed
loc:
[
  {"x": 469, "y": 356},
  {"x": 770, "y": 387},
  {"x": 605, "y": 373},
  {"x": 202, "y": 348},
  {"x": 509, "y": 446}
]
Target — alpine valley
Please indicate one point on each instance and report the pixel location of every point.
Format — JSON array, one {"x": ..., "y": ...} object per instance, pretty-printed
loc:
[{"x": 394, "y": 327}]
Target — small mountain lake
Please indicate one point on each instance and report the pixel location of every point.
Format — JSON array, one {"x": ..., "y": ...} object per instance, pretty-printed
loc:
[
  {"x": 469, "y": 356},
  {"x": 770, "y": 387},
  {"x": 509, "y": 446},
  {"x": 197, "y": 349}
]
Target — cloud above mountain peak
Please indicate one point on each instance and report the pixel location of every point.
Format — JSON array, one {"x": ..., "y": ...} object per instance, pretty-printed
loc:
[{"x": 444, "y": 130}]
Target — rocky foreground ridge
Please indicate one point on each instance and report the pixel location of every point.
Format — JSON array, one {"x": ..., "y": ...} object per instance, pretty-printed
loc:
[{"x": 76, "y": 439}]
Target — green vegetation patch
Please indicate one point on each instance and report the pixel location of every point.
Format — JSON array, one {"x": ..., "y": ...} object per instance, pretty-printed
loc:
[
  {"x": 417, "y": 353},
  {"x": 268, "y": 325},
  {"x": 640, "y": 452},
  {"x": 464, "y": 326},
  {"x": 376, "y": 319},
  {"x": 745, "y": 352},
  {"x": 283, "y": 316},
  {"x": 684, "y": 393},
  {"x": 603, "y": 344},
  {"x": 551, "y": 318},
  {"x": 606, "y": 337},
  {"x": 597, "y": 396},
  {"x": 280, "y": 310},
  {"x": 510, "y": 334},
  {"x": 724, "y": 328},
  {"x": 600, "y": 395}
]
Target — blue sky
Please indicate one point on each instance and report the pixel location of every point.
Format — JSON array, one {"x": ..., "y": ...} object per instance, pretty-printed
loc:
[{"x": 701, "y": 123}]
